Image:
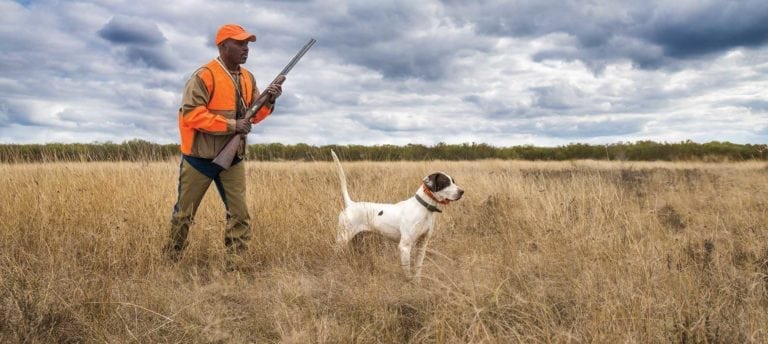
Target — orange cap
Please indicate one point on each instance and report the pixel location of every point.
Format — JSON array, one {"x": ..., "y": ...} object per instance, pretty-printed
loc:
[{"x": 235, "y": 32}]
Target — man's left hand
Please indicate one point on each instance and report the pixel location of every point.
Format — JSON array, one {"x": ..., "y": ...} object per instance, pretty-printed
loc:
[{"x": 275, "y": 90}]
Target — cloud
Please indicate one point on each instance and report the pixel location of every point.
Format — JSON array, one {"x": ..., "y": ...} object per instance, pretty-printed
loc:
[
  {"x": 13, "y": 114},
  {"x": 504, "y": 72},
  {"x": 388, "y": 122},
  {"x": 557, "y": 98},
  {"x": 571, "y": 128},
  {"x": 757, "y": 105},
  {"x": 139, "y": 42},
  {"x": 132, "y": 31},
  {"x": 152, "y": 58},
  {"x": 709, "y": 27},
  {"x": 496, "y": 107},
  {"x": 653, "y": 34},
  {"x": 401, "y": 39}
]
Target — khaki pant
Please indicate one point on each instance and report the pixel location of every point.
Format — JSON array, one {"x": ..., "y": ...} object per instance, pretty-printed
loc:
[{"x": 192, "y": 187}]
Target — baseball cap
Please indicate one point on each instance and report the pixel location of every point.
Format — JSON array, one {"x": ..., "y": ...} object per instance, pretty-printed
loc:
[{"x": 235, "y": 32}]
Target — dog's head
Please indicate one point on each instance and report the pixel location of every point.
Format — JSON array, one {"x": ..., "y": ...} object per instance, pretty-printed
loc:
[{"x": 443, "y": 187}]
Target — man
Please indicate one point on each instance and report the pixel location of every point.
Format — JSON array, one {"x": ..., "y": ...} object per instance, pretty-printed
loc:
[{"x": 214, "y": 103}]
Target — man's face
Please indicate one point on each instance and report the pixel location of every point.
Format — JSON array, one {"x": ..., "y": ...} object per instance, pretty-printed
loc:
[{"x": 233, "y": 52}]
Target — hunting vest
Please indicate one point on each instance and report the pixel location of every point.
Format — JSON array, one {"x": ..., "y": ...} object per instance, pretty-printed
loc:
[{"x": 206, "y": 129}]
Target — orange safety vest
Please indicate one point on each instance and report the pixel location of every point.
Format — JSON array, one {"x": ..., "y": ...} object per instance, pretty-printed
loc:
[{"x": 207, "y": 128}]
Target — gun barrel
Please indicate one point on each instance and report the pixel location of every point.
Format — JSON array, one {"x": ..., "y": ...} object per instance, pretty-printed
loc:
[
  {"x": 227, "y": 154},
  {"x": 298, "y": 56}
]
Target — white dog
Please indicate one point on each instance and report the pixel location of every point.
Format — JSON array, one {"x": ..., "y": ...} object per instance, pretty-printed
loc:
[{"x": 409, "y": 222}]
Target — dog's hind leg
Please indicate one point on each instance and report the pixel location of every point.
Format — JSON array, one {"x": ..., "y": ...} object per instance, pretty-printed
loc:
[
  {"x": 346, "y": 231},
  {"x": 343, "y": 235}
]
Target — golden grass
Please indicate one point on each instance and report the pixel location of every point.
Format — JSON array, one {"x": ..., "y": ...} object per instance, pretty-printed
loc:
[{"x": 535, "y": 252}]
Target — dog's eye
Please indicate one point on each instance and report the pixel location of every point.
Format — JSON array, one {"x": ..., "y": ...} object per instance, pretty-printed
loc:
[{"x": 442, "y": 181}]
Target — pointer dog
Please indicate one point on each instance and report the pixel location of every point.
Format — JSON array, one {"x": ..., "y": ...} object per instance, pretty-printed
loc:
[{"x": 409, "y": 222}]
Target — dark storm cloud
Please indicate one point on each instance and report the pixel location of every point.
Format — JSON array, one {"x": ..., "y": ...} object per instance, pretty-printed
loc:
[
  {"x": 401, "y": 39},
  {"x": 133, "y": 31},
  {"x": 139, "y": 42},
  {"x": 615, "y": 48},
  {"x": 650, "y": 34},
  {"x": 600, "y": 33},
  {"x": 712, "y": 28},
  {"x": 427, "y": 63},
  {"x": 148, "y": 57}
]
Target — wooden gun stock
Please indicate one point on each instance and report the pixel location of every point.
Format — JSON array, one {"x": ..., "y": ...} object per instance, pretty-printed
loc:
[{"x": 227, "y": 154}]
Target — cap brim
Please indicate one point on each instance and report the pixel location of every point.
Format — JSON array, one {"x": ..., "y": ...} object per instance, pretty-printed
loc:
[{"x": 245, "y": 36}]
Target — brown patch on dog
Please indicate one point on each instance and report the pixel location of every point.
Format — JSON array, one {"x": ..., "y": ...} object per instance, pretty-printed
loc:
[{"x": 438, "y": 181}]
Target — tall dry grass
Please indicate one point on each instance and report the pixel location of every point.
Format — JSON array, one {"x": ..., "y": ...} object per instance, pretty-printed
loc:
[{"x": 534, "y": 252}]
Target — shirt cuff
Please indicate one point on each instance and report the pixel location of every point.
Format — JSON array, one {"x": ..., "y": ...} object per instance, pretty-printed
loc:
[{"x": 231, "y": 125}]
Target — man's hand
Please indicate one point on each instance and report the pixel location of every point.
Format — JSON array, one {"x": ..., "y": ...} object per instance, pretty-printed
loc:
[
  {"x": 274, "y": 90},
  {"x": 243, "y": 126}
]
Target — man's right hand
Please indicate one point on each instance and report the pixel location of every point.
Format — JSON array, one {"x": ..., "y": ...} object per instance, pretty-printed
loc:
[{"x": 243, "y": 126}]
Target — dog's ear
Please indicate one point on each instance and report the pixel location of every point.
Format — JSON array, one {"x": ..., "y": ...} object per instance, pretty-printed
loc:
[{"x": 431, "y": 182}]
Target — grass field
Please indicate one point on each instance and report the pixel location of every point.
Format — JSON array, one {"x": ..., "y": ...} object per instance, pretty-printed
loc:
[{"x": 535, "y": 252}]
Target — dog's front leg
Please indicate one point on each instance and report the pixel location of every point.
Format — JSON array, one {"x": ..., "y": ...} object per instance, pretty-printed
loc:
[
  {"x": 405, "y": 257},
  {"x": 421, "y": 249}
]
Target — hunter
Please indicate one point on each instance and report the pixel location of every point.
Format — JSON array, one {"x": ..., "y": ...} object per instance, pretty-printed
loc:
[{"x": 212, "y": 111}]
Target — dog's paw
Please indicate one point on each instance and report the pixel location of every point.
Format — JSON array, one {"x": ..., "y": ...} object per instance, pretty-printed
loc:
[{"x": 413, "y": 279}]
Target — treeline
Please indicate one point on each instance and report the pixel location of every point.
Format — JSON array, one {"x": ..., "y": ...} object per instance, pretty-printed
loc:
[
  {"x": 133, "y": 150},
  {"x": 139, "y": 150}
]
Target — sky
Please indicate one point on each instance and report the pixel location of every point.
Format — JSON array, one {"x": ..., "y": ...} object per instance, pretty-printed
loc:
[{"x": 503, "y": 73}]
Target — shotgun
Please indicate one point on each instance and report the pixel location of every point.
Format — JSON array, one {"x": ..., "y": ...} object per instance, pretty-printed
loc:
[{"x": 227, "y": 154}]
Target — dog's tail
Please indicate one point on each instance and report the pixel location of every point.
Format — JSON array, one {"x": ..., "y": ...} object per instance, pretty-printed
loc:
[{"x": 343, "y": 180}]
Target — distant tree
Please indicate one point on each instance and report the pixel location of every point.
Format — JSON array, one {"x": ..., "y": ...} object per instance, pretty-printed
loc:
[{"x": 141, "y": 150}]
